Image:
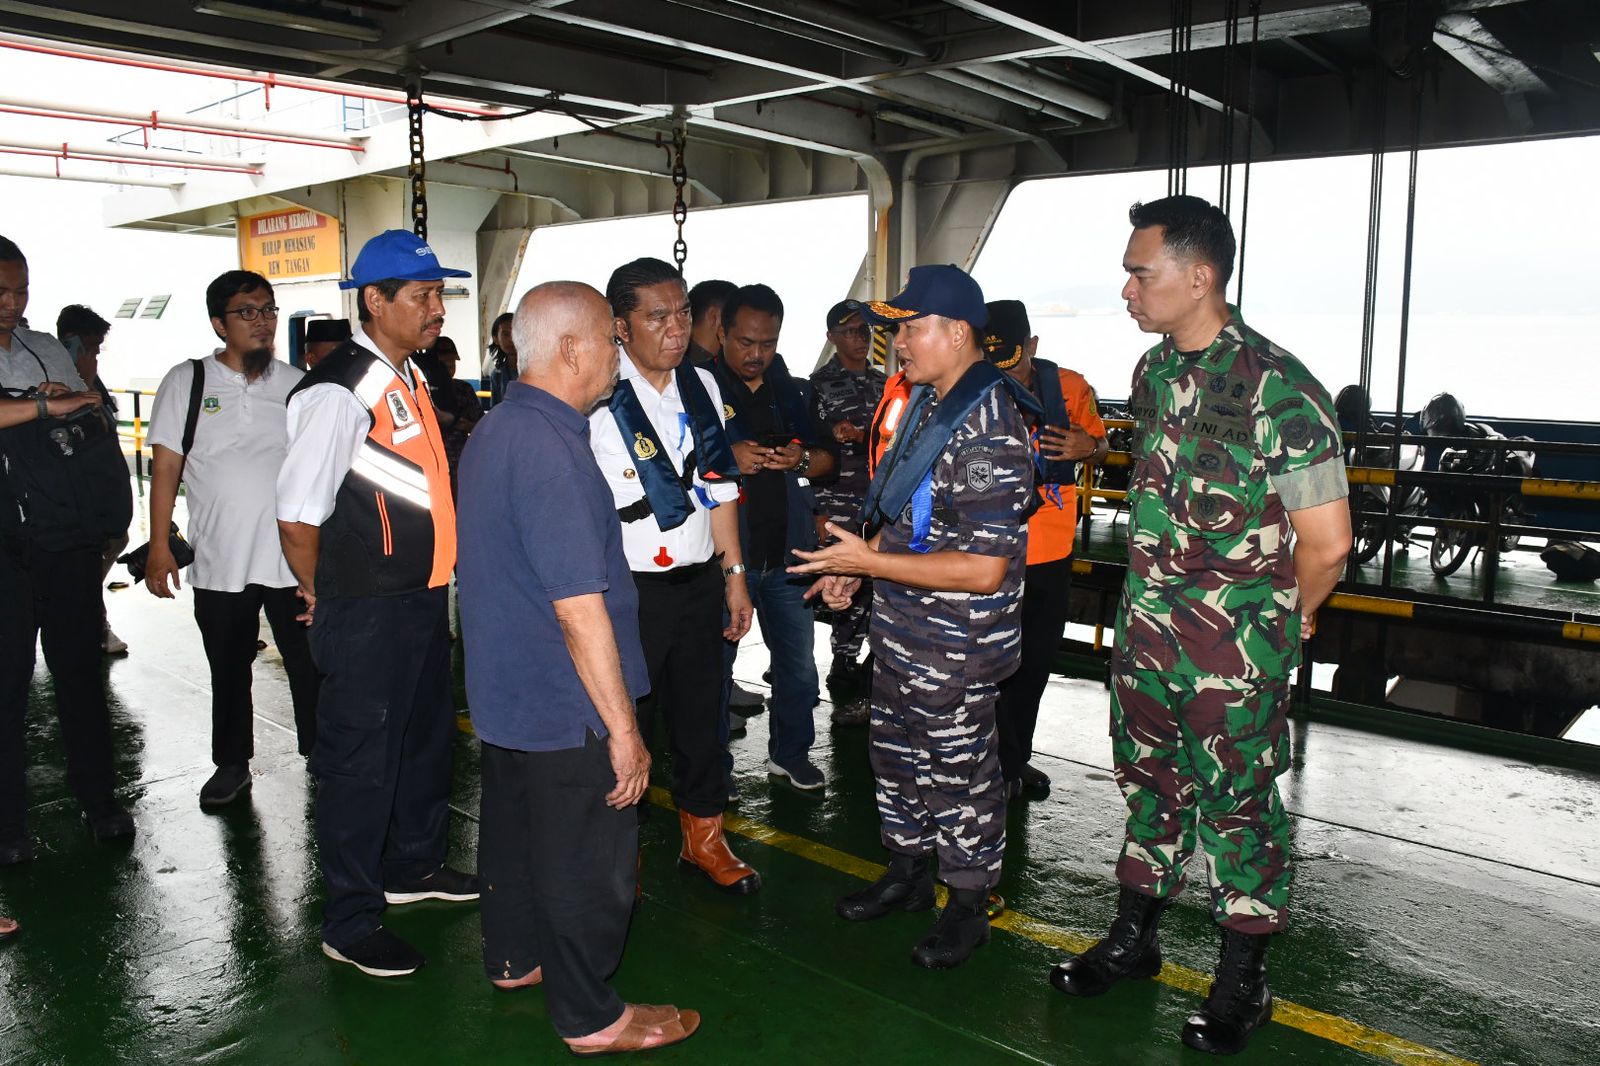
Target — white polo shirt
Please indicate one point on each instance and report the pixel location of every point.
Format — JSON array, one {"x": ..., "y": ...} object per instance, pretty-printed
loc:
[
  {"x": 231, "y": 472},
  {"x": 649, "y": 548}
]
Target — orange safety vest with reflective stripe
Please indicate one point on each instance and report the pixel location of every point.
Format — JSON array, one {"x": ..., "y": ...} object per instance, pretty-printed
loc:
[
  {"x": 393, "y": 526},
  {"x": 886, "y": 419}
]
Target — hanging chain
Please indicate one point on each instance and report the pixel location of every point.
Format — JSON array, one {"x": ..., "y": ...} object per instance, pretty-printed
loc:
[
  {"x": 417, "y": 171},
  {"x": 680, "y": 207}
]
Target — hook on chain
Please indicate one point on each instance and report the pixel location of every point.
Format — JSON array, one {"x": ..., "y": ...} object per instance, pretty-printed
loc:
[
  {"x": 680, "y": 207},
  {"x": 417, "y": 170}
]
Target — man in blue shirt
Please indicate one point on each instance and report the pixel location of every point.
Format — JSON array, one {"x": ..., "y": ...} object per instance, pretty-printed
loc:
[{"x": 550, "y": 617}]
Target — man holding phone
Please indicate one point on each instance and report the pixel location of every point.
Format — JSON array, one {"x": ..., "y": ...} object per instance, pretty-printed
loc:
[
  {"x": 1068, "y": 432},
  {"x": 780, "y": 449}
]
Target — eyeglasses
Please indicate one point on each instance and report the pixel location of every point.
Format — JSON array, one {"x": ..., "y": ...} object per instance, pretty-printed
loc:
[
  {"x": 250, "y": 314},
  {"x": 854, "y": 331}
]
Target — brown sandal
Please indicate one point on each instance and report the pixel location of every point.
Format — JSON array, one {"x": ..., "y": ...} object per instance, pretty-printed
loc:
[{"x": 673, "y": 1026}]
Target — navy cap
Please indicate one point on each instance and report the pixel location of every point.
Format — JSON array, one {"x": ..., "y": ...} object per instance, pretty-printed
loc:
[
  {"x": 327, "y": 329},
  {"x": 842, "y": 312},
  {"x": 945, "y": 290},
  {"x": 398, "y": 255},
  {"x": 1007, "y": 333}
]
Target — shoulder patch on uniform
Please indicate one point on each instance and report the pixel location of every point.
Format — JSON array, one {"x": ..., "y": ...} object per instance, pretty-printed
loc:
[{"x": 980, "y": 474}]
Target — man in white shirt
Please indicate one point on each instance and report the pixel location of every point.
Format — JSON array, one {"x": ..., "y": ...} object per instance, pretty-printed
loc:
[
  {"x": 231, "y": 471},
  {"x": 368, "y": 526},
  {"x": 661, "y": 446}
]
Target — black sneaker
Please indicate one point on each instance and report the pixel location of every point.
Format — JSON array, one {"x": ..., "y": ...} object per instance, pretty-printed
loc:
[
  {"x": 110, "y": 823},
  {"x": 225, "y": 786},
  {"x": 801, "y": 775},
  {"x": 444, "y": 883},
  {"x": 380, "y": 953}
]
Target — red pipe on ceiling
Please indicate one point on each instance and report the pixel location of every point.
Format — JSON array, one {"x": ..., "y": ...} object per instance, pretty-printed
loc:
[{"x": 155, "y": 122}]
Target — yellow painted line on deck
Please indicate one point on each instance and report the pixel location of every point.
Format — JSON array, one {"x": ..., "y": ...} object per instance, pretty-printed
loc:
[{"x": 1330, "y": 1027}]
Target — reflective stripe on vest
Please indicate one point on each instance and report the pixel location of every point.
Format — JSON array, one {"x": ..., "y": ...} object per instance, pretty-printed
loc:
[{"x": 403, "y": 457}]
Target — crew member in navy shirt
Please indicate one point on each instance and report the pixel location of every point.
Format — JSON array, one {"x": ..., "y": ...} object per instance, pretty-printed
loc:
[{"x": 551, "y": 622}]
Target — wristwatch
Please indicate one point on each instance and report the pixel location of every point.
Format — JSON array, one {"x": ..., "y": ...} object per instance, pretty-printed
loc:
[
  {"x": 43, "y": 403},
  {"x": 804, "y": 464},
  {"x": 736, "y": 568}
]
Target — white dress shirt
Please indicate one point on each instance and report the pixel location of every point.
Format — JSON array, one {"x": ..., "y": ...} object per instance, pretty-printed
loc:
[
  {"x": 649, "y": 548},
  {"x": 327, "y": 424},
  {"x": 231, "y": 471}
]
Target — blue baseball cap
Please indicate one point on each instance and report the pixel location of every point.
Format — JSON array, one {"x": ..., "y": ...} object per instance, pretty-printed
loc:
[
  {"x": 399, "y": 255},
  {"x": 945, "y": 290}
]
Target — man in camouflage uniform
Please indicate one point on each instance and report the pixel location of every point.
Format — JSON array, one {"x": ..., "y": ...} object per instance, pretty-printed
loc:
[
  {"x": 1238, "y": 527},
  {"x": 844, "y": 393},
  {"x": 944, "y": 549}
]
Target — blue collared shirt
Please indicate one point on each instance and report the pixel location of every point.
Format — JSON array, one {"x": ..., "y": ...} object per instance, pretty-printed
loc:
[{"x": 535, "y": 524}]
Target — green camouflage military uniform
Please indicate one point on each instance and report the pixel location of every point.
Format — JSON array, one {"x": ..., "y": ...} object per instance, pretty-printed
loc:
[{"x": 1228, "y": 441}]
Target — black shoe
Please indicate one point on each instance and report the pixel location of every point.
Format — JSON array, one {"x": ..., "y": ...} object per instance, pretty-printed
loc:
[
  {"x": 1239, "y": 1002},
  {"x": 225, "y": 786},
  {"x": 1131, "y": 950},
  {"x": 906, "y": 886},
  {"x": 844, "y": 680},
  {"x": 111, "y": 823},
  {"x": 1035, "y": 783},
  {"x": 747, "y": 700},
  {"x": 444, "y": 883},
  {"x": 16, "y": 850},
  {"x": 802, "y": 774},
  {"x": 854, "y": 712},
  {"x": 962, "y": 928},
  {"x": 380, "y": 953}
]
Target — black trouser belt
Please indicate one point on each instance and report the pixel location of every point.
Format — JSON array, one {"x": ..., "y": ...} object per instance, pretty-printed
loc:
[{"x": 678, "y": 574}]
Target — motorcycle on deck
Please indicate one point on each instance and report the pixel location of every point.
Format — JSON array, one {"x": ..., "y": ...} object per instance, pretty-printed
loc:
[{"x": 1453, "y": 545}]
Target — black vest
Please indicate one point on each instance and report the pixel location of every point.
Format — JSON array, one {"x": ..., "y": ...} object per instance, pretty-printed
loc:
[{"x": 1047, "y": 387}]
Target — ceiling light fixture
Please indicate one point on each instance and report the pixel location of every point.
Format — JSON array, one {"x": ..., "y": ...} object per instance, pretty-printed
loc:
[{"x": 312, "y": 18}]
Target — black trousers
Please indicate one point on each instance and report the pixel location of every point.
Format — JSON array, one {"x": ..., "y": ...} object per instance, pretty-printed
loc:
[
  {"x": 53, "y": 598},
  {"x": 680, "y": 626},
  {"x": 382, "y": 760},
  {"x": 1046, "y": 593},
  {"x": 229, "y": 624},
  {"x": 558, "y": 875}
]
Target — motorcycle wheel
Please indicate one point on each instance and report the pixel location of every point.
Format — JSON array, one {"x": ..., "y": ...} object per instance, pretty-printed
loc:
[
  {"x": 1452, "y": 546},
  {"x": 1367, "y": 540}
]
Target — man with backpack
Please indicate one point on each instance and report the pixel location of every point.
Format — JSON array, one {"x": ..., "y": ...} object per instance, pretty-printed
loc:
[
  {"x": 66, "y": 471},
  {"x": 220, "y": 425}
]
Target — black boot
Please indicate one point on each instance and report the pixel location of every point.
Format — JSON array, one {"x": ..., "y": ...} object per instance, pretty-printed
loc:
[
  {"x": 1240, "y": 1001},
  {"x": 906, "y": 886},
  {"x": 962, "y": 928},
  {"x": 1130, "y": 950}
]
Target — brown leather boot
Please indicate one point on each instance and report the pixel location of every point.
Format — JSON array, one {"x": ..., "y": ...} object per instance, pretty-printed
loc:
[{"x": 706, "y": 850}]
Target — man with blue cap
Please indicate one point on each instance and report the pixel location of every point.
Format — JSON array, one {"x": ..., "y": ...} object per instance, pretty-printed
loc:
[
  {"x": 368, "y": 527},
  {"x": 943, "y": 542}
]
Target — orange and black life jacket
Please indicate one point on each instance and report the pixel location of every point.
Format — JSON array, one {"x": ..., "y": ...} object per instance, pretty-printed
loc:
[{"x": 393, "y": 526}]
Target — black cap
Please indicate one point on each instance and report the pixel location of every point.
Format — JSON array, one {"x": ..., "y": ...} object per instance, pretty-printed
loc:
[
  {"x": 327, "y": 329},
  {"x": 1007, "y": 334},
  {"x": 842, "y": 312}
]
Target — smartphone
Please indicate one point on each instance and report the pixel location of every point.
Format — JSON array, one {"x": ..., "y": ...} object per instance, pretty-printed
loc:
[{"x": 776, "y": 440}]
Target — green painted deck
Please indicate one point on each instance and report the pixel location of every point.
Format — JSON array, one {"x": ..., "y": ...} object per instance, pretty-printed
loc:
[{"x": 1447, "y": 909}]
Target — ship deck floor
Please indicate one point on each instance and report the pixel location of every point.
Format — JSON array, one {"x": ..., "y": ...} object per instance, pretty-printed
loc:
[{"x": 1447, "y": 910}]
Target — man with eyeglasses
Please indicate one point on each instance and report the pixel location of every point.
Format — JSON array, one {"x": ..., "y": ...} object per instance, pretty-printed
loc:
[
  {"x": 844, "y": 393},
  {"x": 228, "y": 453}
]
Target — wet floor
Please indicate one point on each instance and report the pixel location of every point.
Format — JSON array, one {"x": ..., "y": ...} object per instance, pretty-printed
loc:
[{"x": 1447, "y": 909}]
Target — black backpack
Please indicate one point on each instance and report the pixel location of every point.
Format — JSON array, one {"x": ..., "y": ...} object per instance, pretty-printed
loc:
[{"x": 70, "y": 479}]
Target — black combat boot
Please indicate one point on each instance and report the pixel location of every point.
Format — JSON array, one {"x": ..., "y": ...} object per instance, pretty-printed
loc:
[
  {"x": 1130, "y": 950},
  {"x": 843, "y": 682},
  {"x": 906, "y": 886},
  {"x": 1240, "y": 1001},
  {"x": 962, "y": 928}
]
